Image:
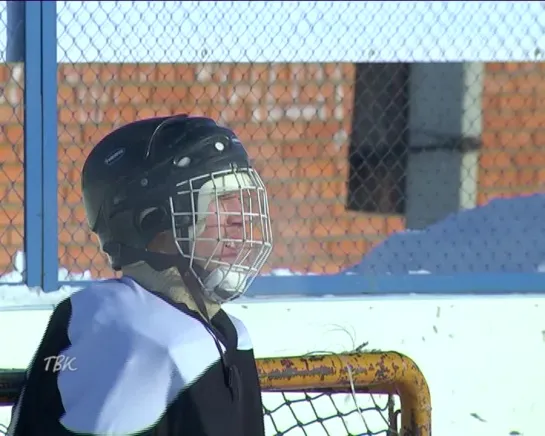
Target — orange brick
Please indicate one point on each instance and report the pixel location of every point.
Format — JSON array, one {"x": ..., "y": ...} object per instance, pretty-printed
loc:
[
  {"x": 10, "y": 174},
  {"x": 517, "y": 102},
  {"x": 293, "y": 228},
  {"x": 301, "y": 149},
  {"x": 495, "y": 159},
  {"x": 259, "y": 73},
  {"x": 302, "y": 190},
  {"x": 263, "y": 152},
  {"x": 5, "y": 73},
  {"x": 285, "y": 130},
  {"x": 73, "y": 74},
  {"x": 12, "y": 237},
  {"x": 363, "y": 224},
  {"x": 278, "y": 191},
  {"x": 198, "y": 93},
  {"x": 325, "y": 130},
  {"x": 541, "y": 176},
  {"x": 245, "y": 92},
  {"x": 531, "y": 82},
  {"x": 96, "y": 94},
  {"x": 273, "y": 168},
  {"x": 503, "y": 138},
  {"x": 168, "y": 94},
  {"x": 347, "y": 247},
  {"x": 71, "y": 154},
  {"x": 241, "y": 73},
  {"x": 281, "y": 93},
  {"x": 173, "y": 73},
  {"x": 499, "y": 83},
  {"x": 93, "y": 133},
  {"x": 69, "y": 134},
  {"x": 498, "y": 121},
  {"x": 12, "y": 133},
  {"x": 484, "y": 196},
  {"x": 8, "y": 114},
  {"x": 11, "y": 217},
  {"x": 13, "y": 194},
  {"x": 138, "y": 73},
  {"x": 121, "y": 114},
  {"x": 285, "y": 210},
  {"x": 333, "y": 189},
  {"x": 233, "y": 112},
  {"x": 69, "y": 234},
  {"x": 10, "y": 155},
  {"x": 69, "y": 195},
  {"x": 330, "y": 227},
  {"x": 317, "y": 169},
  {"x": 498, "y": 178},
  {"x": 69, "y": 214},
  {"x": 307, "y": 210},
  {"x": 527, "y": 176},
  {"x": 395, "y": 223},
  {"x": 131, "y": 93},
  {"x": 250, "y": 132},
  {"x": 80, "y": 257},
  {"x": 325, "y": 266},
  {"x": 313, "y": 92}
]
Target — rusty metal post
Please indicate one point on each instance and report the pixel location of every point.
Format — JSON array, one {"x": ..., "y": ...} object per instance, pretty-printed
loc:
[{"x": 375, "y": 372}]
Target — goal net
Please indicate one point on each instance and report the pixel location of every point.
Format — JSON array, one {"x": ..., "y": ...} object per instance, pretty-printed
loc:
[{"x": 329, "y": 413}]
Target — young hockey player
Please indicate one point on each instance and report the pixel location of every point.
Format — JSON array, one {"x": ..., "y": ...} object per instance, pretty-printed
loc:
[{"x": 180, "y": 211}]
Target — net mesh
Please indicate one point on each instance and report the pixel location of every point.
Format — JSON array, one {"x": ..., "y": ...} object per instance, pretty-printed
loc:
[{"x": 311, "y": 413}]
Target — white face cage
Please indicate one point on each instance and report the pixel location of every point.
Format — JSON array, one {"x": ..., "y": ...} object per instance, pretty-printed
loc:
[{"x": 230, "y": 232}]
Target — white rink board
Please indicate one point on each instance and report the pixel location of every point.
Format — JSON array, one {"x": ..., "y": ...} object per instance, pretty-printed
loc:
[{"x": 483, "y": 357}]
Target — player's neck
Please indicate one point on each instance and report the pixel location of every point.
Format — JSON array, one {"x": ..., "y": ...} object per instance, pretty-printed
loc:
[{"x": 167, "y": 283}]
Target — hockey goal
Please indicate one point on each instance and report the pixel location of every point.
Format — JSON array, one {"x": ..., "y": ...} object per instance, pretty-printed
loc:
[
  {"x": 373, "y": 393},
  {"x": 356, "y": 394}
]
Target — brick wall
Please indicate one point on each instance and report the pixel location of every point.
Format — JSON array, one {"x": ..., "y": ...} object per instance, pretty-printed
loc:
[
  {"x": 512, "y": 161},
  {"x": 295, "y": 121}
]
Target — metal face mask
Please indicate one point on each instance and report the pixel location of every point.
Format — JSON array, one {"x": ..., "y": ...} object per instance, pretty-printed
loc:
[{"x": 225, "y": 233}]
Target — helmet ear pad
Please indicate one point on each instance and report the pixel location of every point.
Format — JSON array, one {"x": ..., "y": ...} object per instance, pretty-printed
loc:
[
  {"x": 151, "y": 222},
  {"x": 154, "y": 220}
]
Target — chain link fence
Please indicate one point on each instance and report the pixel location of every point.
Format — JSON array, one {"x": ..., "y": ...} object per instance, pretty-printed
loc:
[
  {"x": 361, "y": 117},
  {"x": 12, "y": 175}
]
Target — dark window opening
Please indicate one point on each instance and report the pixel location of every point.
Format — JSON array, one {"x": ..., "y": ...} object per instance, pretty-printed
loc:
[{"x": 379, "y": 142}]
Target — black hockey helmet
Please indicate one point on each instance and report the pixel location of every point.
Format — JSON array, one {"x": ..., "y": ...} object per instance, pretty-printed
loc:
[{"x": 161, "y": 174}]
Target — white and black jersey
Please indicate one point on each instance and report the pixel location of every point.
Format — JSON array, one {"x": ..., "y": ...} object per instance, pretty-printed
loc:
[{"x": 117, "y": 359}]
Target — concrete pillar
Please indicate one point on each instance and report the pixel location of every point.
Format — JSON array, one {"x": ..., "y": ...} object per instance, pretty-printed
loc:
[{"x": 444, "y": 140}]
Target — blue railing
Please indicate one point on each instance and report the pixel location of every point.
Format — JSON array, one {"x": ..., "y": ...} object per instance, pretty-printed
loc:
[
  {"x": 32, "y": 38},
  {"x": 35, "y": 38}
]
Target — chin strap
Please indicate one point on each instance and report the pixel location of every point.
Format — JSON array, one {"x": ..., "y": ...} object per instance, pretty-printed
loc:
[{"x": 160, "y": 262}]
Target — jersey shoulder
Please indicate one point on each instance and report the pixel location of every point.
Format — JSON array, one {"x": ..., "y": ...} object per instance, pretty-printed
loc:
[
  {"x": 123, "y": 307},
  {"x": 121, "y": 333}
]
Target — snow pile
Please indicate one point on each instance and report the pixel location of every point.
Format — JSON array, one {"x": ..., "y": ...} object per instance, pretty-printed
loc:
[
  {"x": 503, "y": 236},
  {"x": 14, "y": 295}
]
